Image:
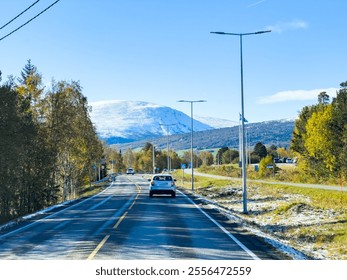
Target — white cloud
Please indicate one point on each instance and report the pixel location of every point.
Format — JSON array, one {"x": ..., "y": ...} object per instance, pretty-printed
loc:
[
  {"x": 290, "y": 25},
  {"x": 255, "y": 4},
  {"x": 296, "y": 95}
]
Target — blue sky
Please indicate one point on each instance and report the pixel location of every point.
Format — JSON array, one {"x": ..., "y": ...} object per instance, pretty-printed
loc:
[{"x": 162, "y": 51}]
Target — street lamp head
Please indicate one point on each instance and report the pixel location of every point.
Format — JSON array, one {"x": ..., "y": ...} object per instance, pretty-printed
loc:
[
  {"x": 241, "y": 34},
  {"x": 217, "y": 32},
  {"x": 261, "y": 32},
  {"x": 192, "y": 101}
]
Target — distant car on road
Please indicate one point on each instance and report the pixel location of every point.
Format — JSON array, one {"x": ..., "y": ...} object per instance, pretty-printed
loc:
[
  {"x": 130, "y": 171},
  {"x": 162, "y": 184}
]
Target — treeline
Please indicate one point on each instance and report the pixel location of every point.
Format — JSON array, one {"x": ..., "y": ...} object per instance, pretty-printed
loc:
[
  {"x": 144, "y": 159},
  {"x": 320, "y": 138},
  {"x": 226, "y": 155},
  {"x": 48, "y": 145}
]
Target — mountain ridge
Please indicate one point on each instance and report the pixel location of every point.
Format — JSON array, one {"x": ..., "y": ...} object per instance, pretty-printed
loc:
[
  {"x": 269, "y": 133},
  {"x": 121, "y": 121},
  {"x": 130, "y": 124}
]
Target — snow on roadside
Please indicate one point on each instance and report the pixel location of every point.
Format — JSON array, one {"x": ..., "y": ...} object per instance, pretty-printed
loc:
[
  {"x": 270, "y": 239},
  {"x": 46, "y": 210},
  {"x": 33, "y": 215},
  {"x": 273, "y": 228}
]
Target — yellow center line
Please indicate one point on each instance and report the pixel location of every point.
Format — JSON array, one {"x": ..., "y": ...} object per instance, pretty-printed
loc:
[
  {"x": 131, "y": 206},
  {"x": 120, "y": 220},
  {"x": 104, "y": 240},
  {"x": 96, "y": 250}
]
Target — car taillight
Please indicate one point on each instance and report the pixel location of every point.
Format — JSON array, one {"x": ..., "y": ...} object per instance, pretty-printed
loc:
[
  {"x": 172, "y": 183},
  {"x": 152, "y": 183}
]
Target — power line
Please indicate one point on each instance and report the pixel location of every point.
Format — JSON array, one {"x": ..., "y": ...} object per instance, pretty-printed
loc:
[
  {"x": 19, "y": 14},
  {"x": 29, "y": 20}
]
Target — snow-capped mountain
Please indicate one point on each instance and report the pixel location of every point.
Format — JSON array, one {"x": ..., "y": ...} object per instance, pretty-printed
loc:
[{"x": 120, "y": 121}]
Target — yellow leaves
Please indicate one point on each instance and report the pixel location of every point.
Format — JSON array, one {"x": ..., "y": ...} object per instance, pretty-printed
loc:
[
  {"x": 319, "y": 137},
  {"x": 266, "y": 166}
]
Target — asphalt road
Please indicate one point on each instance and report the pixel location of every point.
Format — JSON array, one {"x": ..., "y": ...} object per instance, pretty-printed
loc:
[{"x": 123, "y": 222}]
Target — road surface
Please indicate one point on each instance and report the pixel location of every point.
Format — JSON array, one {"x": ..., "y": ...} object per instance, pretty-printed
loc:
[{"x": 123, "y": 222}]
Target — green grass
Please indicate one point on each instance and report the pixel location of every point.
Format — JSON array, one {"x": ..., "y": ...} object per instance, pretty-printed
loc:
[
  {"x": 322, "y": 199},
  {"x": 199, "y": 182}
]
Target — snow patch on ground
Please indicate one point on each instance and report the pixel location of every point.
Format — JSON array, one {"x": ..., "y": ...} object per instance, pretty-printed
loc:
[{"x": 293, "y": 212}]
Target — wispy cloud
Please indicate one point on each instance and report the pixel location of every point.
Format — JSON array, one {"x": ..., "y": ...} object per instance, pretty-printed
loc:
[
  {"x": 290, "y": 25},
  {"x": 255, "y": 4},
  {"x": 296, "y": 95}
]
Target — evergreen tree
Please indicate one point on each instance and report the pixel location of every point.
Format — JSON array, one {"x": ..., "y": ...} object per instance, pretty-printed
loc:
[
  {"x": 260, "y": 150},
  {"x": 323, "y": 98},
  {"x": 339, "y": 128},
  {"x": 219, "y": 156},
  {"x": 30, "y": 87}
]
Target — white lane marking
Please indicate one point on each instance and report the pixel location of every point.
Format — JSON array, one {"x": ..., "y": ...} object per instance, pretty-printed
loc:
[
  {"x": 238, "y": 242},
  {"x": 100, "y": 203},
  {"x": 61, "y": 225}
]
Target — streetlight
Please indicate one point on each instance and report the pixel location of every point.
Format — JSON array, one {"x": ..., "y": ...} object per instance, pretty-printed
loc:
[
  {"x": 167, "y": 134},
  {"x": 243, "y": 159},
  {"x": 153, "y": 157},
  {"x": 191, "y": 137}
]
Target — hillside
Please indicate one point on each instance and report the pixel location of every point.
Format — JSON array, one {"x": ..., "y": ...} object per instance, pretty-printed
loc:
[
  {"x": 270, "y": 132},
  {"x": 120, "y": 121}
]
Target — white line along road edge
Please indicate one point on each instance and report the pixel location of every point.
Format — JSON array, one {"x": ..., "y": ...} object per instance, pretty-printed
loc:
[{"x": 238, "y": 242}]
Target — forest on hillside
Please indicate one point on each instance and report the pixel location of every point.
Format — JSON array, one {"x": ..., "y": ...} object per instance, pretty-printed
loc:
[{"x": 269, "y": 133}]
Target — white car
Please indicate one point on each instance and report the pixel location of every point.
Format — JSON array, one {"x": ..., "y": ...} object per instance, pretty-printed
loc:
[
  {"x": 130, "y": 171},
  {"x": 162, "y": 184}
]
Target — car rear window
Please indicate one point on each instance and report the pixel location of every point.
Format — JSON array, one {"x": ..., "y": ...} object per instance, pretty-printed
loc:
[{"x": 162, "y": 178}]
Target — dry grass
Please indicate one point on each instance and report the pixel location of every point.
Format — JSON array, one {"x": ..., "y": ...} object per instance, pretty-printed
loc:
[{"x": 93, "y": 189}]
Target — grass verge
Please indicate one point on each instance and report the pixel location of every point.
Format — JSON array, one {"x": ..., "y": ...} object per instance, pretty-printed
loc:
[
  {"x": 313, "y": 221},
  {"x": 93, "y": 188}
]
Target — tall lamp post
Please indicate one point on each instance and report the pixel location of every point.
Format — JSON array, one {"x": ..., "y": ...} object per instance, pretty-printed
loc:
[
  {"x": 243, "y": 149},
  {"x": 153, "y": 157},
  {"x": 191, "y": 137},
  {"x": 168, "y": 149}
]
